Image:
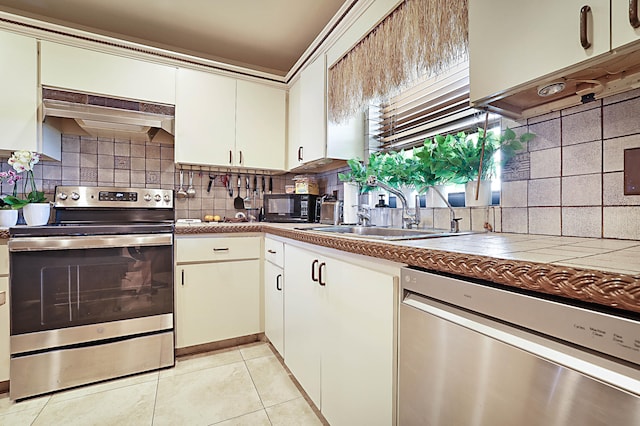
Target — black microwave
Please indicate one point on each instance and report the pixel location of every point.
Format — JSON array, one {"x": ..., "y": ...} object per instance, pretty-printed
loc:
[{"x": 290, "y": 207}]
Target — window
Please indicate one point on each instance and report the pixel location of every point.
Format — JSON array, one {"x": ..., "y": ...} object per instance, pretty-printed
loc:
[{"x": 437, "y": 105}]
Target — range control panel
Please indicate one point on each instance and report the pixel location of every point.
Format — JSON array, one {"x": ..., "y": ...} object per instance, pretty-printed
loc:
[{"x": 101, "y": 197}]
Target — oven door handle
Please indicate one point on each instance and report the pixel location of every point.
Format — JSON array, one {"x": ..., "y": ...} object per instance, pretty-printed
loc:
[{"x": 88, "y": 242}]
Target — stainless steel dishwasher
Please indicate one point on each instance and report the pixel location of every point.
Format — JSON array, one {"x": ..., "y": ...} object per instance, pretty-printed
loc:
[{"x": 476, "y": 354}]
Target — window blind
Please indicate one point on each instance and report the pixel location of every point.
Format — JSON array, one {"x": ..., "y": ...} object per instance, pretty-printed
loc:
[{"x": 437, "y": 105}]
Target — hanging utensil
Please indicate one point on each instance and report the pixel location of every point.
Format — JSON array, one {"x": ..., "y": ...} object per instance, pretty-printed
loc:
[
  {"x": 263, "y": 184},
  {"x": 238, "y": 202},
  {"x": 181, "y": 192},
  {"x": 191, "y": 192},
  {"x": 229, "y": 187},
  {"x": 212, "y": 180},
  {"x": 247, "y": 199},
  {"x": 255, "y": 184},
  {"x": 270, "y": 184}
]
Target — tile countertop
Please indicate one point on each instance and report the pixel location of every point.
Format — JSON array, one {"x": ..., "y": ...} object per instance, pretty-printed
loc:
[{"x": 602, "y": 271}]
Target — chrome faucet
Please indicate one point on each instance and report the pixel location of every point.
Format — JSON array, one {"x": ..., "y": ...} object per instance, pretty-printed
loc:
[
  {"x": 408, "y": 219},
  {"x": 364, "y": 216},
  {"x": 455, "y": 226}
]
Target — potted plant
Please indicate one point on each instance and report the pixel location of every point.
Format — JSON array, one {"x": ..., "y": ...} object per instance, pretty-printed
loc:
[
  {"x": 10, "y": 204},
  {"x": 456, "y": 159},
  {"x": 399, "y": 169},
  {"x": 35, "y": 208}
]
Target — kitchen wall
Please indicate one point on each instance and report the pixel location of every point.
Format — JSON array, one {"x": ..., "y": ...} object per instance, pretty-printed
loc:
[
  {"x": 114, "y": 162},
  {"x": 570, "y": 180}
]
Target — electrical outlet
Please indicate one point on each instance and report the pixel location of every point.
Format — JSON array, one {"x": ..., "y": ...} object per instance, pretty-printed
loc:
[{"x": 632, "y": 171}]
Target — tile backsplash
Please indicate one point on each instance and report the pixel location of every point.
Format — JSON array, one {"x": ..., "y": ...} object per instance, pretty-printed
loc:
[
  {"x": 574, "y": 185},
  {"x": 91, "y": 161}
]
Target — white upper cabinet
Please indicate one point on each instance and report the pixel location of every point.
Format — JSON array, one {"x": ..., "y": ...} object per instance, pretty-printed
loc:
[
  {"x": 85, "y": 70},
  {"x": 19, "y": 122},
  {"x": 205, "y": 126},
  {"x": 622, "y": 22},
  {"x": 311, "y": 136},
  {"x": 221, "y": 121},
  {"x": 307, "y": 115},
  {"x": 260, "y": 125},
  {"x": 514, "y": 42}
]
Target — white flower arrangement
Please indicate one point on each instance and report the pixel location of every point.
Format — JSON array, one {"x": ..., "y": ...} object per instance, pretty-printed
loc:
[{"x": 22, "y": 162}]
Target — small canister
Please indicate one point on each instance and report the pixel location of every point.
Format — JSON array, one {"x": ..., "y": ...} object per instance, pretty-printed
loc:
[
  {"x": 380, "y": 216},
  {"x": 381, "y": 213}
]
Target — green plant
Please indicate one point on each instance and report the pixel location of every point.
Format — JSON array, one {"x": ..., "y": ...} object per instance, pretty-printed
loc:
[
  {"x": 456, "y": 158},
  {"x": 395, "y": 168}
]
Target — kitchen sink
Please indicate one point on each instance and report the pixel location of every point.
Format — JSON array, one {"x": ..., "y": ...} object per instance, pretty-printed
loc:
[{"x": 382, "y": 233}]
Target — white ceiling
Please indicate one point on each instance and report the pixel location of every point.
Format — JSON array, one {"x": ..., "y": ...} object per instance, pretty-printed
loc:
[{"x": 264, "y": 35}]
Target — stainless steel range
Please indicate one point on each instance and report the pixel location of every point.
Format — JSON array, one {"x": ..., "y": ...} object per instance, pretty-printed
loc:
[{"x": 92, "y": 293}]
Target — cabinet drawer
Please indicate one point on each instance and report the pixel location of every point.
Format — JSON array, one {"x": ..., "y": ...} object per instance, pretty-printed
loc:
[
  {"x": 274, "y": 252},
  {"x": 212, "y": 249}
]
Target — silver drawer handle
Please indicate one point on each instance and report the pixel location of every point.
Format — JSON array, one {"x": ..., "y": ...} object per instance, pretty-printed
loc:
[
  {"x": 221, "y": 249},
  {"x": 3, "y": 297}
]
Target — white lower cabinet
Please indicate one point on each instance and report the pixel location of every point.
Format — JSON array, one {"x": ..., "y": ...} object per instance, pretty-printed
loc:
[
  {"x": 274, "y": 305},
  {"x": 274, "y": 293},
  {"x": 4, "y": 312},
  {"x": 340, "y": 340},
  {"x": 4, "y": 329},
  {"x": 218, "y": 289}
]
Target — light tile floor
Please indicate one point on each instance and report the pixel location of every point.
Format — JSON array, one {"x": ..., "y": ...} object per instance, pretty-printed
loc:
[{"x": 245, "y": 385}]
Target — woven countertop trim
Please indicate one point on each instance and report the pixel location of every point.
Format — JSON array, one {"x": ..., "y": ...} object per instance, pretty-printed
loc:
[{"x": 605, "y": 288}]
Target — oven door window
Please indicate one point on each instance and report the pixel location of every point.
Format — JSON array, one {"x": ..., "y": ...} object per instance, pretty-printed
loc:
[{"x": 65, "y": 288}]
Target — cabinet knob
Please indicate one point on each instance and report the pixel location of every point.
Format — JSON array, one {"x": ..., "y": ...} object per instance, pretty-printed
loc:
[
  {"x": 584, "y": 27},
  {"x": 633, "y": 14},
  {"x": 320, "y": 269},
  {"x": 313, "y": 270}
]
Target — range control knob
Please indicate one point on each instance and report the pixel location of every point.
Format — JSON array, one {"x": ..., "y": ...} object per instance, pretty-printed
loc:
[
  {"x": 147, "y": 197},
  {"x": 63, "y": 196},
  {"x": 167, "y": 198},
  {"x": 157, "y": 197},
  {"x": 75, "y": 196}
]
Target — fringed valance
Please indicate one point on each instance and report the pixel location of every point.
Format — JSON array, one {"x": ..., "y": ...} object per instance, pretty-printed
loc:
[{"x": 419, "y": 38}]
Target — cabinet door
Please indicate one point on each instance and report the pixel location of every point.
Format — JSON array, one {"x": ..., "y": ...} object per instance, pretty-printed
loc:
[
  {"x": 346, "y": 140},
  {"x": 85, "y": 70},
  {"x": 622, "y": 32},
  {"x": 303, "y": 322},
  {"x": 514, "y": 42},
  {"x": 313, "y": 110},
  {"x": 4, "y": 329},
  {"x": 19, "y": 88},
  {"x": 217, "y": 301},
  {"x": 205, "y": 130},
  {"x": 260, "y": 125},
  {"x": 358, "y": 361},
  {"x": 274, "y": 305},
  {"x": 294, "y": 140}
]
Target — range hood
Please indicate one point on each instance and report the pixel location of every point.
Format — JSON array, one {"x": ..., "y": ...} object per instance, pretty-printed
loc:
[{"x": 100, "y": 121}]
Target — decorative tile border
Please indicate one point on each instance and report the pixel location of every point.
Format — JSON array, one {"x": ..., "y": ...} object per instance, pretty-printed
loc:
[{"x": 619, "y": 291}]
